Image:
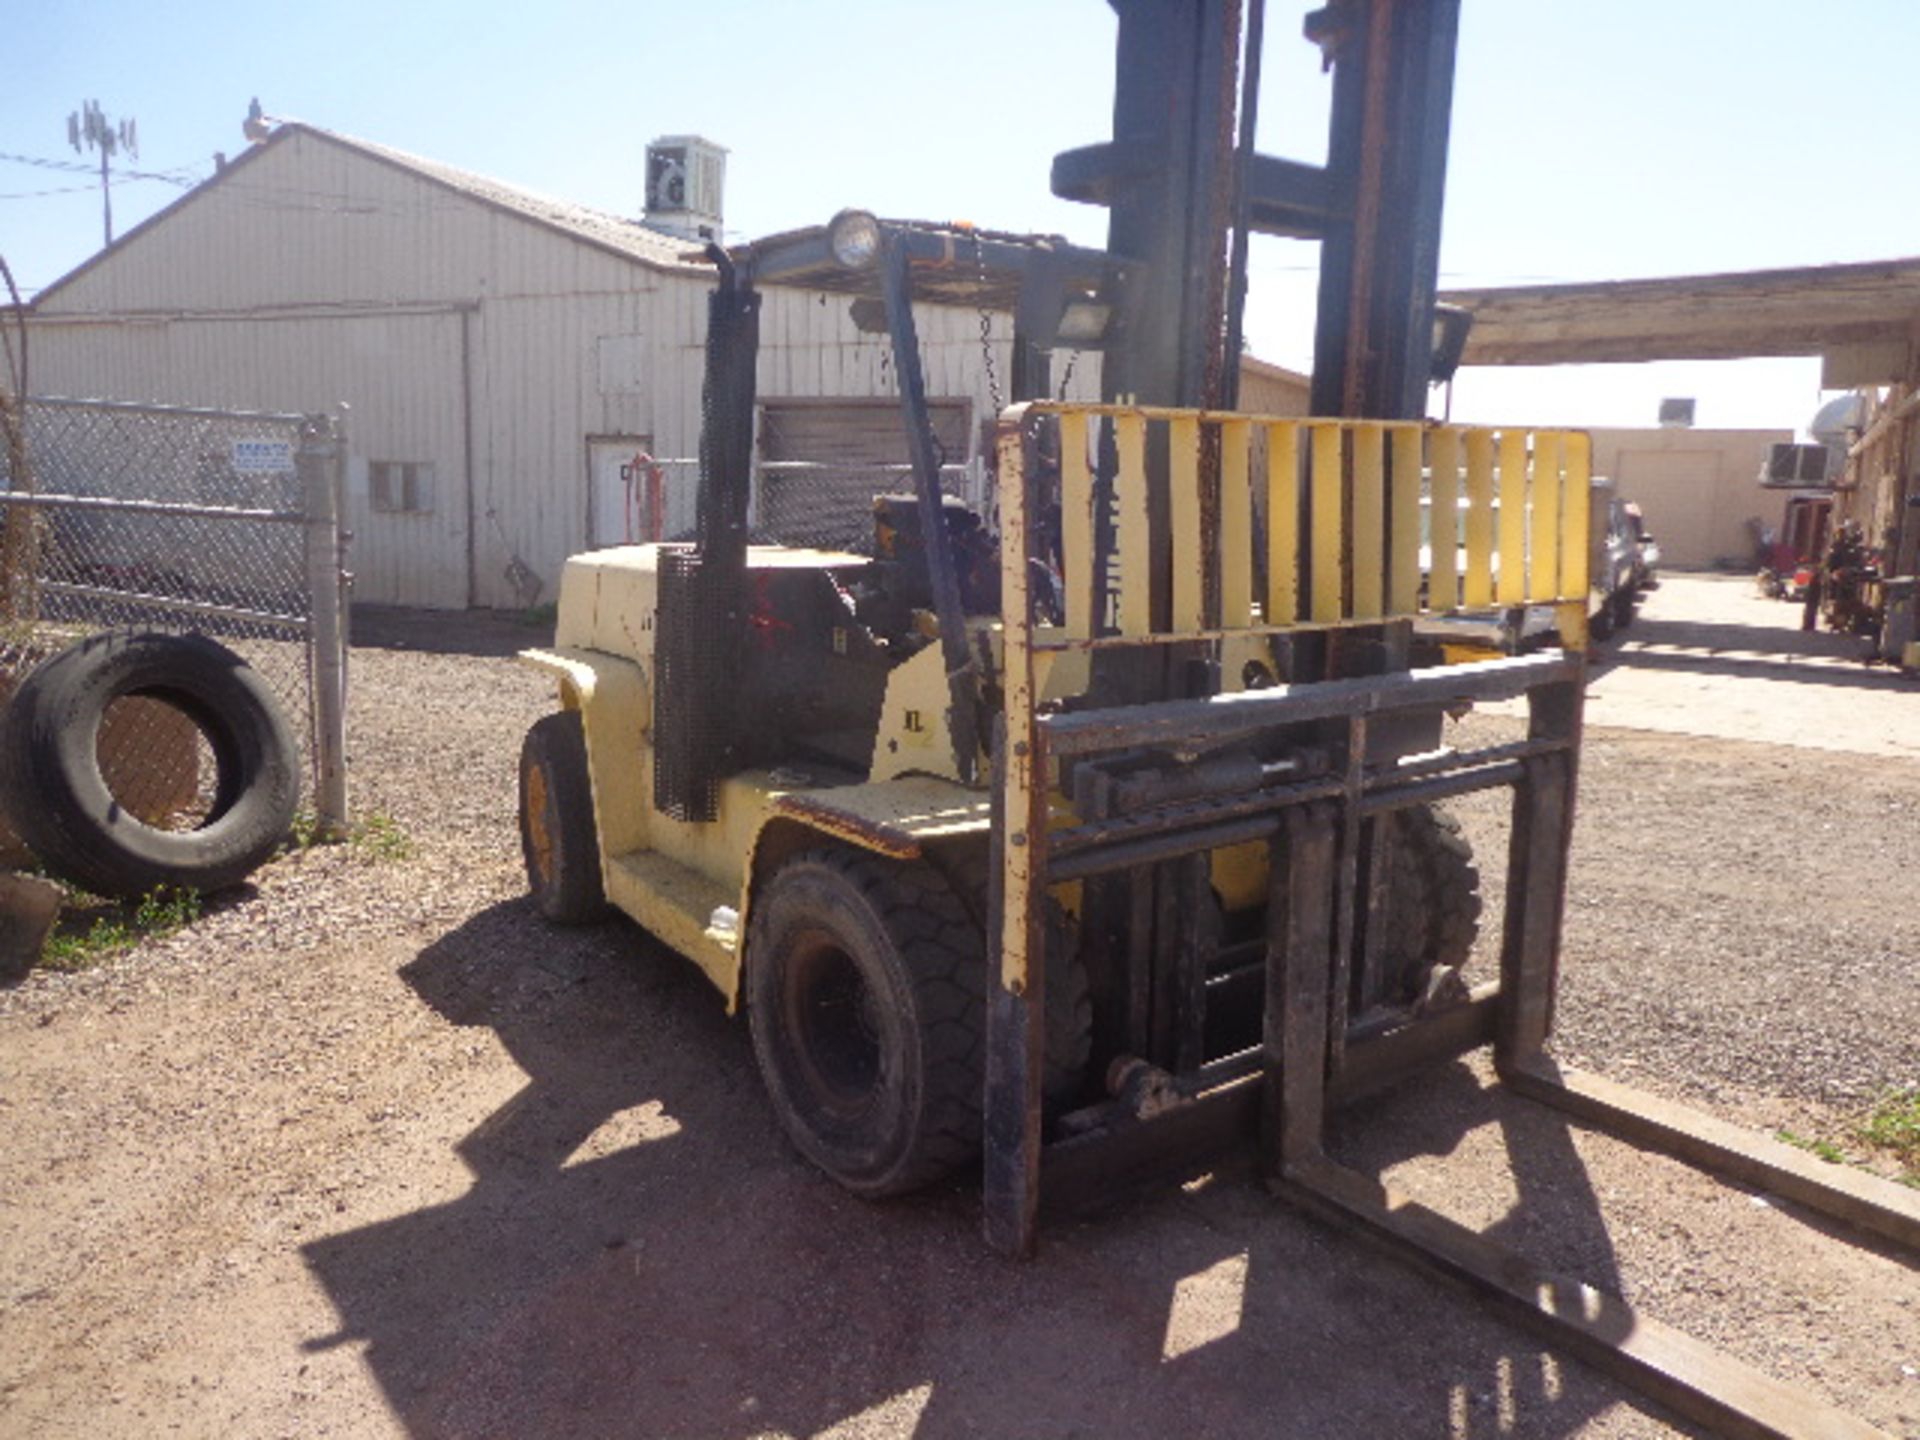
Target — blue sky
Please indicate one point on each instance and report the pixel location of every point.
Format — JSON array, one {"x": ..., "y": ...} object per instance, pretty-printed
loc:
[{"x": 1641, "y": 137}]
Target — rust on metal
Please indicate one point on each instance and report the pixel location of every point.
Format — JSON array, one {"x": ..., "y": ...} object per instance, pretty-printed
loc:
[{"x": 867, "y": 833}]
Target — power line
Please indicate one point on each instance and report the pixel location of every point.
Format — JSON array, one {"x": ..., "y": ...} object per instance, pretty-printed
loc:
[
  {"x": 178, "y": 175},
  {"x": 37, "y": 194},
  {"x": 71, "y": 166}
]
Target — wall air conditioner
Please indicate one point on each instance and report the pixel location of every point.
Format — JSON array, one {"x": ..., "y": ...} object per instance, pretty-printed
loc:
[{"x": 1797, "y": 467}]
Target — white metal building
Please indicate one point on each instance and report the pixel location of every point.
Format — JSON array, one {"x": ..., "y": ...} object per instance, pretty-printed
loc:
[{"x": 501, "y": 353}]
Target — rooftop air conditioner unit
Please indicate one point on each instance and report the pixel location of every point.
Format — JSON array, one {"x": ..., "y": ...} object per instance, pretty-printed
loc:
[
  {"x": 1676, "y": 414},
  {"x": 685, "y": 178}
]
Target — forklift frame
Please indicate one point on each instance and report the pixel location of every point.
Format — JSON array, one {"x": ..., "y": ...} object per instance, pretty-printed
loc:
[{"x": 1311, "y": 1053}]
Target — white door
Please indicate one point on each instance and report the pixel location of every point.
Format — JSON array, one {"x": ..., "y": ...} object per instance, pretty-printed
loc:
[{"x": 627, "y": 491}]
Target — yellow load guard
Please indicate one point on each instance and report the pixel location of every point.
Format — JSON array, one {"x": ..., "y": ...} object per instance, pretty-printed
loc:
[{"x": 1356, "y": 490}]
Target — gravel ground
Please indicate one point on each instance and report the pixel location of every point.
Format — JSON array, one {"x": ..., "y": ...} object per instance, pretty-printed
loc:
[{"x": 370, "y": 1151}]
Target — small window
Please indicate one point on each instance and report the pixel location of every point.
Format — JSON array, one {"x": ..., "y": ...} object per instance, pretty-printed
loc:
[{"x": 400, "y": 487}]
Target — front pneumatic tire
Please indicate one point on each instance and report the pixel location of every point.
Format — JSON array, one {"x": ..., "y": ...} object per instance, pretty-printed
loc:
[
  {"x": 559, "y": 841},
  {"x": 865, "y": 994}
]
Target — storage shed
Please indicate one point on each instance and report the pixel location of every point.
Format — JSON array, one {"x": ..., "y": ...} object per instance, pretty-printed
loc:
[{"x": 503, "y": 355}]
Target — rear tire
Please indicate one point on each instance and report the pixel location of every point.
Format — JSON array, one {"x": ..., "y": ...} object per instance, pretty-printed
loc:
[
  {"x": 866, "y": 999},
  {"x": 1433, "y": 900},
  {"x": 559, "y": 841}
]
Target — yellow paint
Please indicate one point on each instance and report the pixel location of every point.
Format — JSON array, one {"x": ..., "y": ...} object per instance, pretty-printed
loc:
[
  {"x": 1134, "y": 543},
  {"x": 1369, "y": 549},
  {"x": 913, "y": 737},
  {"x": 1377, "y": 490},
  {"x": 1462, "y": 654},
  {"x": 1283, "y": 523},
  {"x": 1076, "y": 525},
  {"x": 1403, "y": 523},
  {"x": 1329, "y": 523},
  {"x": 1183, "y": 503},
  {"x": 1443, "y": 514},
  {"x": 676, "y": 905},
  {"x": 1020, "y": 773},
  {"x": 1477, "y": 583},
  {"x": 1571, "y": 622},
  {"x": 1543, "y": 545},
  {"x": 1236, "y": 525},
  {"x": 1576, "y": 516},
  {"x": 1237, "y": 652},
  {"x": 1510, "y": 584},
  {"x": 615, "y": 712},
  {"x": 889, "y": 817},
  {"x": 1239, "y": 875}
]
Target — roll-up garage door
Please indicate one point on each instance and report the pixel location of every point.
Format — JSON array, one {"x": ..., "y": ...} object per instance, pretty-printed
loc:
[{"x": 823, "y": 461}]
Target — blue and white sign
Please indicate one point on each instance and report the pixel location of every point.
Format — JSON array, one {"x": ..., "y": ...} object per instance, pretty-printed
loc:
[{"x": 263, "y": 457}]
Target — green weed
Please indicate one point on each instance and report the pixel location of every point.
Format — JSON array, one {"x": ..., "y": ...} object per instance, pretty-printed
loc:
[
  {"x": 1893, "y": 1126},
  {"x": 1825, "y": 1149},
  {"x": 305, "y": 831},
  {"x": 375, "y": 836},
  {"x": 378, "y": 836},
  {"x": 90, "y": 929}
]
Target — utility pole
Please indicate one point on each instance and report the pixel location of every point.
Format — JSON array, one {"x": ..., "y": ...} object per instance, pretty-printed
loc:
[{"x": 89, "y": 129}]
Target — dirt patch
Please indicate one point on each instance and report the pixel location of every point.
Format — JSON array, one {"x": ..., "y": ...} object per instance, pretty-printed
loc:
[{"x": 371, "y": 1151}]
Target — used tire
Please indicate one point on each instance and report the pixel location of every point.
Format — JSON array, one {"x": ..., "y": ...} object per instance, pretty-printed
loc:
[
  {"x": 559, "y": 840},
  {"x": 1433, "y": 900},
  {"x": 52, "y": 788},
  {"x": 865, "y": 995}
]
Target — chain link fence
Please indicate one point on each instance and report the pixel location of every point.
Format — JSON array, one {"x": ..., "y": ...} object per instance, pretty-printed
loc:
[{"x": 222, "y": 523}]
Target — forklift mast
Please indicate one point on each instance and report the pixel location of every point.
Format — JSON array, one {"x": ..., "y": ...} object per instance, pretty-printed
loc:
[{"x": 1184, "y": 195}]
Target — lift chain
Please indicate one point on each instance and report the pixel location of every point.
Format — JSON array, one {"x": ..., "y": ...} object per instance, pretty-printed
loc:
[{"x": 986, "y": 324}]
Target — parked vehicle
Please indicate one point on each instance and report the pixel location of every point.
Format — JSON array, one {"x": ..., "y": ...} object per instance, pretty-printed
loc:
[
  {"x": 1620, "y": 562},
  {"x": 1613, "y": 566},
  {"x": 1646, "y": 568}
]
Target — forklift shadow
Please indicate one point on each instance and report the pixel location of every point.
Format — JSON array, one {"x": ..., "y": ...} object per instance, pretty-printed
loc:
[
  {"x": 1754, "y": 652},
  {"x": 1552, "y": 1214},
  {"x": 641, "y": 1254}
]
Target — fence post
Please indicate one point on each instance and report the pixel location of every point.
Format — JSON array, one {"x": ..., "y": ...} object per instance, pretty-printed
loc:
[
  {"x": 321, "y": 462},
  {"x": 20, "y": 525}
]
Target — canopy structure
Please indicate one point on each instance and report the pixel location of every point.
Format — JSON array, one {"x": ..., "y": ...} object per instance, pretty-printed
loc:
[{"x": 1863, "y": 319}]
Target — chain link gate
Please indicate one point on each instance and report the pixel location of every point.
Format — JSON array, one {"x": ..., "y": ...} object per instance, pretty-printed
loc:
[{"x": 225, "y": 523}]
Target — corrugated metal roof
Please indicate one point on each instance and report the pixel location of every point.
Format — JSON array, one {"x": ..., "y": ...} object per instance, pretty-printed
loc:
[
  {"x": 614, "y": 234},
  {"x": 597, "y": 227}
]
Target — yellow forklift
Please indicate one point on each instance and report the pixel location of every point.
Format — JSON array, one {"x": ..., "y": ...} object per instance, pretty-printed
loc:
[{"x": 1090, "y": 836}]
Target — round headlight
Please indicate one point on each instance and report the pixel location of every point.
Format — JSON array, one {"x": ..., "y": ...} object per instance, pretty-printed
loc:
[{"x": 854, "y": 238}]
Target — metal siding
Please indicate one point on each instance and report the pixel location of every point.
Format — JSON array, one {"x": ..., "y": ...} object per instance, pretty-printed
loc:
[
  {"x": 309, "y": 223},
  {"x": 398, "y": 374}
]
